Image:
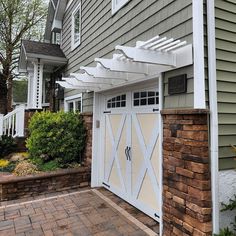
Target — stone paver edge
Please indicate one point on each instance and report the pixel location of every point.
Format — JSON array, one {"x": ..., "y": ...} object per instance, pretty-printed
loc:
[
  {"x": 45, "y": 199},
  {"x": 139, "y": 224}
]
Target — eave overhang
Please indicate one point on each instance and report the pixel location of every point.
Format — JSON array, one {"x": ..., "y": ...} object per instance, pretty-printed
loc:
[{"x": 58, "y": 16}]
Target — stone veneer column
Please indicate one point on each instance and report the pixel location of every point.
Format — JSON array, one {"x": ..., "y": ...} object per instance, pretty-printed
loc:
[
  {"x": 186, "y": 173},
  {"x": 88, "y": 121}
]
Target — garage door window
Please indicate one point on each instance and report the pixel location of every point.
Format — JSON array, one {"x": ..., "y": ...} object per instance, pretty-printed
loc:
[
  {"x": 117, "y": 102},
  {"x": 145, "y": 98}
]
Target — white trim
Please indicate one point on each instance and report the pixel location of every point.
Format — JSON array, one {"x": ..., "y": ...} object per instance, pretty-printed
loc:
[
  {"x": 213, "y": 113},
  {"x": 46, "y": 58},
  {"x": 97, "y": 138},
  {"x": 74, "y": 99},
  {"x": 142, "y": 107},
  {"x": 117, "y": 6},
  {"x": 198, "y": 42},
  {"x": 73, "y": 43},
  {"x": 160, "y": 150},
  {"x": 53, "y": 4}
]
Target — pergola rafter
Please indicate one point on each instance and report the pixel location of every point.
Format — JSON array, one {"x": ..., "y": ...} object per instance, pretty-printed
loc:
[{"x": 132, "y": 64}]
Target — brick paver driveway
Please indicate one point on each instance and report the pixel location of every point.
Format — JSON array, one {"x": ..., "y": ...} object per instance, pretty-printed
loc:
[{"x": 80, "y": 213}]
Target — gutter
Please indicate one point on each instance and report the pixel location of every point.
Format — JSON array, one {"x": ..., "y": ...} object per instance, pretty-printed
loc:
[{"x": 213, "y": 114}]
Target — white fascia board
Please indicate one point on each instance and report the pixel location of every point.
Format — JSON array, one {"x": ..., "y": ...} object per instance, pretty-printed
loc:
[
  {"x": 52, "y": 2},
  {"x": 213, "y": 114},
  {"x": 60, "y": 10},
  {"x": 58, "y": 16},
  {"x": 198, "y": 47},
  {"x": 56, "y": 25},
  {"x": 46, "y": 58}
]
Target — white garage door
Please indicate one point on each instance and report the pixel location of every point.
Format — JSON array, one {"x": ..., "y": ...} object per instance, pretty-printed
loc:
[{"x": 131, "y": 149}]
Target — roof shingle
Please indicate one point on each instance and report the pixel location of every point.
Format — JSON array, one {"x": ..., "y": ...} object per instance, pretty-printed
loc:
[{"x": 47, "y": 49}]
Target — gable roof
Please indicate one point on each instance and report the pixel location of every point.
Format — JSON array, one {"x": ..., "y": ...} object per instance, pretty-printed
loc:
[
  {"x": 33, "y": 47},
  {"x": 50, "y": 54}
]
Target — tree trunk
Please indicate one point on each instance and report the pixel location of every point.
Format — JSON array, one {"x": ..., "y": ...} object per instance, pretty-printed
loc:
[
  {"x": 3, "y": 95},
  {"x": 9, "y": 94}
]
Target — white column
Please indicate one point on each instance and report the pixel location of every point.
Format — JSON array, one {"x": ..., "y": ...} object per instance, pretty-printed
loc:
[
  {"x": 198, "y": 47},
  {"x": 1, "y": 124},
  {"x": 30, "y": 89},
  {"x": 20, "y": 121},
  {"x": 37, "y": 85}
]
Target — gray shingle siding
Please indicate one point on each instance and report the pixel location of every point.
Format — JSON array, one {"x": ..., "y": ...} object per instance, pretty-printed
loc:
[
  {"x": 138, "y": 20},
  {"x": 225, "y": 13}
]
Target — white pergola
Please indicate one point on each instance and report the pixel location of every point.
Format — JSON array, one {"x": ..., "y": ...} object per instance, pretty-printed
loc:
[{"x": 131, "y": 64}]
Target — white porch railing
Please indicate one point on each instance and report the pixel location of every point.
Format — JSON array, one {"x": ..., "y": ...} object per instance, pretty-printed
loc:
[{"x": 13, "y": 123}]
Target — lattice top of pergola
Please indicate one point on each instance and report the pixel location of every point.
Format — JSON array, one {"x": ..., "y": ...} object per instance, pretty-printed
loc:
[{"x": 131, "y": 64}]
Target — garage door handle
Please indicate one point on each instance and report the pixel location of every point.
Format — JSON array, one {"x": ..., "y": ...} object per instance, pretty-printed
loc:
[{"x": 126, "y": 152}]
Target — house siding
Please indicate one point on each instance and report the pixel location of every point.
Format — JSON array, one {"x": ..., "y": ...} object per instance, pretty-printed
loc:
[
  {"x": 137, "y": 20},
  {"x": 225, "y": 20}
]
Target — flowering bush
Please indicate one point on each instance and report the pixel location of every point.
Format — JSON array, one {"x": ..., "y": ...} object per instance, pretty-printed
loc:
[{"x": 3, "y": 163}]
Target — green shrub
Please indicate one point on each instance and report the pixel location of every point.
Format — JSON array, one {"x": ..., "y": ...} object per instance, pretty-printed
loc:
[
  {"x": 7, "y": 145},
  {"x": 46, "y": 166},
  {"x": 59, "y": 136}
]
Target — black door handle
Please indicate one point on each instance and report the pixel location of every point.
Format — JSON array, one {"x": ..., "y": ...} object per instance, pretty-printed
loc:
[{"x": 126, "y": 152}]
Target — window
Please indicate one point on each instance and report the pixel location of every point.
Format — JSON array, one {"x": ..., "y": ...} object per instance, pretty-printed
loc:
[
  {"x": 76, "y": 27},
  {"x": 117, "y": 4},
  {"x": 56, "y": 38},
  {"x": 116, "y": 102},
  {"x": 145, "y": 98},
  {"x": 73, "y": 103}
]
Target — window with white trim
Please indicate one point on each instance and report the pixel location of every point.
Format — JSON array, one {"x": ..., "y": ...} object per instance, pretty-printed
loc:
[
  {"x": 145, "y": 98},
  {"x": 73, "y": 103},
  {"x": 117, "y": 102},
  {"x": 76, "y": 27},
  {"x": 117, "y": 4}
]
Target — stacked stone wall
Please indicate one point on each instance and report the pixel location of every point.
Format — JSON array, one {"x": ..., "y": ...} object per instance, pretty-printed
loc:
[{"x": 187, "y": 205}]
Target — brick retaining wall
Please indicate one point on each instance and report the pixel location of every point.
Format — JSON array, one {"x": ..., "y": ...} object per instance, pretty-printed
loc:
[
  {"x": 186, "y": 173},
  {"x": 14, "y": 187}
]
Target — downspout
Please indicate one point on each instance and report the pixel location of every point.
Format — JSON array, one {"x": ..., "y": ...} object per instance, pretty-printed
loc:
[{"x": 213, "y": 113}]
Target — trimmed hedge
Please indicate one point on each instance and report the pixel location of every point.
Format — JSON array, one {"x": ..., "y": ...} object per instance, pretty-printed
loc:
[{"x": 56, "y": 136}]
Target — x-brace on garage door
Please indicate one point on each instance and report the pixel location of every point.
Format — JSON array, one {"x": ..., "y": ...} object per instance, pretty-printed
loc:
[{"x": 131, "y": 149}]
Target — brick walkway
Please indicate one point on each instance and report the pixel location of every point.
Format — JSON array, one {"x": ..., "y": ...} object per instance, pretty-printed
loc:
[{"x": 89, "y": 212}]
